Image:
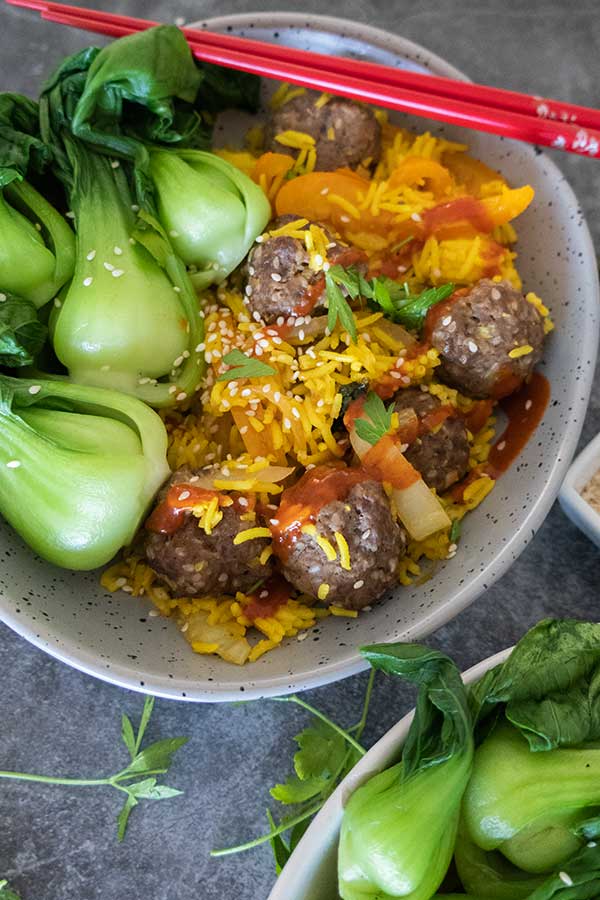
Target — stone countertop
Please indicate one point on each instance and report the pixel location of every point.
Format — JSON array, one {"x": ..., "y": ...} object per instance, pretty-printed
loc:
[{"x": 60, "y": 844}]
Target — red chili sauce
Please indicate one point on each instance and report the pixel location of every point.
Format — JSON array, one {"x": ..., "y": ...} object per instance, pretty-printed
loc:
[
  {"x": 524, "y": 411},
  {"x": 452, "y": 216},
  {"x": 301, "y": 503},
  {"x": 268, "y": 598},
  {"x": 169, "y": 515}
]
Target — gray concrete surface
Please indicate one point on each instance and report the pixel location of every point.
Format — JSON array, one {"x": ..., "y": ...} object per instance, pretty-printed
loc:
[{"x": 59, "y": 844}]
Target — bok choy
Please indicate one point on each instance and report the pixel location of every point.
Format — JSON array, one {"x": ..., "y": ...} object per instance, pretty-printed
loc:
[
  {"x": 146, "y": 100},
  {"x": 37, "y": 250},
  {"x": 129, "y": 320},
  {"x": 79, "y": 467},
  {"x": 399, "y": 828}
]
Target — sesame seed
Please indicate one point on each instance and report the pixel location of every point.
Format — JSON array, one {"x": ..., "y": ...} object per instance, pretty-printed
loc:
[
  {"x": 243, "y": 430},
  {"x": 302, "y": 636},
  {"x": 566, "y": 879},
  {"x": 528, "y": 404},
  {"x": 495, "y": 294},
  {"x": 274, "y": 521},
  {"x": 280, "y": 319},
  {"x": 177, "y": 362},
  {"x": 358, "y": 584},
  {"x": 154, "y": 613},
  {"x": 295, "y": 413},
  {"x": 181, "y": 395},
  {"x": 326, "y": 266},
  {"x": 248, "y": 290},
  {"x": 144, "y": 380},
  {"x": 246, "y": 392},
  {"x": 301, "y": 334},
  {"x": 277, "y": 396},
  {"x": 287, "y": 424},
  {"x": 259, "y": 239},
  {"x": 200, "y": 348},
  {"x": 258, "y": 351},
  {"x": 115, "y": 163},
  {"x": 251, "y": 270},
  {"x": 318, "y": 259},
  {"x": 38, "y": 226},
  {"x": 174, "y": 233},
  {"x": 416, "y": 217},
  {"x": 57, "y": 302},
  {"x": 35, "y": 388},
  {"x": 325, "y": 191},
  {"x": 91, "y": 255},
  {"x": 472, "y": 346},
  {"x": 87, "y": 281},
  {"x": 264, "y": 344},
  {"x": 275, "y": 276},
  {"x": 70, "y": 215},
  {"x": 500, "y": 447},
  {"x": 184, "y": 627},
  {"x": 13, "y": 464},
  {"x": 2, "y": 298},
  {"x": 172, "y": 389},
  {"x": 266, "y": 388},
  {"x": 117, "y": 251},
  {"x": 446, "y": 320},
  {"x": 108, "y": 266},
  {"x": 344, "y": 218},
  {"x": 132, "y": 241},
  {"x": 184, "y": 495},
  {"x": 222, "y": 577},
  {"x": 116, "y": 273}
]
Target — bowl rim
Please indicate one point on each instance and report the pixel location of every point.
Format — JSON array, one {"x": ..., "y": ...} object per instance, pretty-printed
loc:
[
  {"x": 253, "y": 685},
  {"x": 328, "y": 820}
]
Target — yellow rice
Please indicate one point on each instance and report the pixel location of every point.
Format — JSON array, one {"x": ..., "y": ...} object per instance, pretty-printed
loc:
[{"x": 287, "y": 418}]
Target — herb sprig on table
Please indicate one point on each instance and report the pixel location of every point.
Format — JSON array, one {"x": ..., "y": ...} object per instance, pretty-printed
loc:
[
  {"x": 137, "y": 781},
  {"x": 327, "y": 752},
  {"x": 6, "y": 893}
]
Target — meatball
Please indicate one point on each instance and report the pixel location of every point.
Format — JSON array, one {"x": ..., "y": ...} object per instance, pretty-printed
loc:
[
  {"x": 376, "y": 543},
  {"x": 475, "y": 334},
  {"x": 346, "y": 133},
  {"x": 279, "y": 281},
  {"x": 441, "y": 452},
  {"x": 194, "y": 563}
]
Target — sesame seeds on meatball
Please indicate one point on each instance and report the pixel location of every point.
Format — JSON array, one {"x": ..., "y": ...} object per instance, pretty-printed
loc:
[{"x": 489, "y": 339}]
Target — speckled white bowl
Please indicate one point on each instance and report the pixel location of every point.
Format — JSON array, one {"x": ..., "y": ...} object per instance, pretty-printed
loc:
[
  {"x": 112, "y": 637},
  {"x": 311, "y": 871}
]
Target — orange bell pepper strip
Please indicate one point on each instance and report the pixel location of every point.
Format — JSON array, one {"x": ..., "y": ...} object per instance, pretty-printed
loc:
[{"x": 415, "y": 171}]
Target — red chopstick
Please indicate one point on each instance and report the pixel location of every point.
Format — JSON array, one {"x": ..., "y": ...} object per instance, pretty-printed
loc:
[{"x": 544, "y": 122}]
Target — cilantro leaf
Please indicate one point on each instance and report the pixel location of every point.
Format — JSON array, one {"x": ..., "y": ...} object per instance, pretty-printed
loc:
[
  {"x": 6, "y": 893},
  {"x": 339, "y": 309},
  {"x": 127, "y": 735},
  {"x": 281, "y": 851},
  {"x": 156, "y": 756},
  {"x": 412, "y": 313},
  {"x": 378, "y": 421},
  {"x": 123, "y": 817},
  {"x": 321, "y": 752},
  {"x": 243, "y": 366}
]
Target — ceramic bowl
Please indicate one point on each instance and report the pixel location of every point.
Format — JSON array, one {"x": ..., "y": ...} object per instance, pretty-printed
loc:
[
  {"x": 579, "y": 510},
  {"x": 311, "y": 871},
  {"x": 112, "y": 636}
]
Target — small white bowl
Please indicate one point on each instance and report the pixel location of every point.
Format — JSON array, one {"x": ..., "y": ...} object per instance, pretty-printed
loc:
[
  {"x": 311, "y": 871},
  {"x": 579, "y": 510}
]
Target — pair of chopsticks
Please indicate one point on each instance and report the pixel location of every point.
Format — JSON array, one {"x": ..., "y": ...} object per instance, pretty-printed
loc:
[{"x": 547, "y": 123}]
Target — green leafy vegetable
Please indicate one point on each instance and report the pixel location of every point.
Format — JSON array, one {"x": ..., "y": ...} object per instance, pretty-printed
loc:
[
  {"x": 549, "y": 685},
  {"x": 378, "y": 419},
  {"x": 6, "y": 893},
  {"x": 326, "y": 754},
  {"x": 138, "y": 780},
  {"x": 211, "y": 210},
  {"x": 408, "y": 815},
  {"x": 22, "y": 335},
  {"x": 243, "y": 366},
  {"x": 37, "y": 250},
  {"x": 79, "y": 467},
  {"x": 130, "y": 319},
  {"x": 488, "y": 873},
  {"x": 455, "y": 531},
  {"x": 338, "y": 309}
]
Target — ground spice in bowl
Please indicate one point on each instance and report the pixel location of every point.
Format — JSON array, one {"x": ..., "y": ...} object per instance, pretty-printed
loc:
[{"x": 591, "y": 491}]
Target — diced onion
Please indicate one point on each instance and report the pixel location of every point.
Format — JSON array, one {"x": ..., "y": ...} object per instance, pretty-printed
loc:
[
  {"x": 268, "y": 475},
  {"x": 230, "y": 647}
]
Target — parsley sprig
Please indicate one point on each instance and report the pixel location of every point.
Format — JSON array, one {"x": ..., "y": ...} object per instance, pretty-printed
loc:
[
  {"x": 243, "y": 366},
  {"x": 338, "y": 308},
  {"x": 326, "y": 754},
  {"x": 6, "y": 893},
  {"x": 378, "y": 419},
  {"x": 138, "y": 780},
  {"x": 394, "y": 299}
]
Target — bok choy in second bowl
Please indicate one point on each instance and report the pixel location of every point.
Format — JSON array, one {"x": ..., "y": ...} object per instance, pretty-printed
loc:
[{"x": 495, "y": 795}]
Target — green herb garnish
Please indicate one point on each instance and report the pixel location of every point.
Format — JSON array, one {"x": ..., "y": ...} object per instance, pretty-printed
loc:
[
  {"x": 326, "y": 754},
  {"x": 244, "y": 367},
  {"x": 6, "y": 893},
  {"x": 338, "y": 306},
  {"x": 137, "y": 780},
  {"x": 379, "y": 419},
  {"x": 455, "y": 531},
  {"x": 393, "y": 299}
]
